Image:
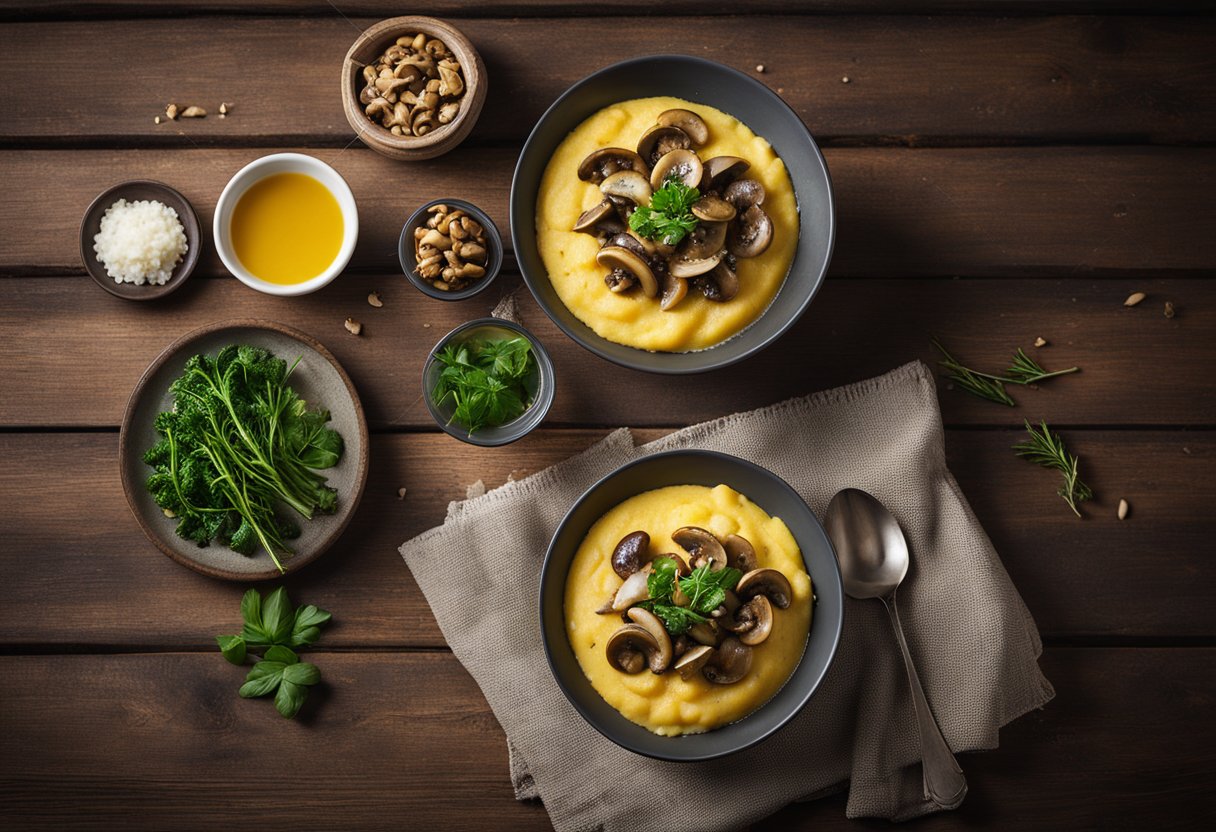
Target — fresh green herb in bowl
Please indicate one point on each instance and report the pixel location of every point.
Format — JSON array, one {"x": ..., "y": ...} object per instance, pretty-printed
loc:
[
  {"x": 238, "y": 444},
  {"x": 488, "y": 382}
]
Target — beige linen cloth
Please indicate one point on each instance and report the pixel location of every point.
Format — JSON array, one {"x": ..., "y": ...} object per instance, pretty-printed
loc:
[{"x": 974, "y": 642}]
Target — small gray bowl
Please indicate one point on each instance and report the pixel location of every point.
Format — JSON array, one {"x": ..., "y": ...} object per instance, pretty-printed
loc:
[
  {"x": 765, "y": 489},
  {"x": 513, "y": 430},
  {"x": 405, "y": 250},
  {"x": 703, "y": 82}
]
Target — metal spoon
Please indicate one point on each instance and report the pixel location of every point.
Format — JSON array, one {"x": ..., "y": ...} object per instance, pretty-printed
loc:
[{"x": 874, "y": 559}]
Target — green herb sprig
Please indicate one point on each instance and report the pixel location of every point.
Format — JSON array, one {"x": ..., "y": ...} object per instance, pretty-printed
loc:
[
  {"x": 485, "y": 381},
  {"x": 667, "y": 219},
  {"x": 239, "y": 442},
  {"x": 1024, "y": 370},
  {"x": 274, "y": 624},
  {"x": 1047, "y": 449},
  {"x": 705, "y": 588}
]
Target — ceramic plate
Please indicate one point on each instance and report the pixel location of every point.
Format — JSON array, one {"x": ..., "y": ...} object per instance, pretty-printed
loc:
[{"x": 319, "y": 379}]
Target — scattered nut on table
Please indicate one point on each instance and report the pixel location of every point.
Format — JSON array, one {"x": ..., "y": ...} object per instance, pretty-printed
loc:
[
  {"x": 353, "y": 326},
  {"x": 450, "y": 249},
  {"x": 1134, "y": 298},
  {"x": 194, "y": 111},
  {"x": 1169, "y": 309},
  {"x": 374, "y": 300},
  {"x": 1040, "y": 342},
  {"x": 1123, "y": 509},
  {"x": 413, "y": 88}
]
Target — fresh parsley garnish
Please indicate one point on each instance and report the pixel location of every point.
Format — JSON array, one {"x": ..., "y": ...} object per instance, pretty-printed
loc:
[
  {"x": 485, "y": 381},
  {"x": 667, "y": 219},
  {"x": 273, "y": 623},
  {"x": 706, "y": 590}
]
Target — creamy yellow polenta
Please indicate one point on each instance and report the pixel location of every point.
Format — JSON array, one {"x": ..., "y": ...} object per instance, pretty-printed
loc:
[
  {"x": 667, "y": 704},
  {"x": 633, "y": 319}
]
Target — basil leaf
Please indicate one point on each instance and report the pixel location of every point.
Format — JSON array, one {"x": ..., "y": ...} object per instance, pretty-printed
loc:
[
  {"x": 262, "y": 679},
  {"x": 279, "y": 653},
  {"x": 290, "y": 698},
  {"x": 661, "y": 581},
  {"x": 254, "y": 636},
  {"x": 277, "y": 616},
  {"x": 310, "y": 616},
  {"x": 251, "y": 608},
  {"x": 302, "y": 674},
  {"x": 233, "y": 648}
]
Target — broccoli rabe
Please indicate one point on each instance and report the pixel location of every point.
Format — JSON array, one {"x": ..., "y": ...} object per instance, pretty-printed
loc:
[{"x": 238, "y": 442}]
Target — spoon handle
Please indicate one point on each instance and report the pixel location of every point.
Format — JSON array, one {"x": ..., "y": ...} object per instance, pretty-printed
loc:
[{"x": 944, "y": 782}]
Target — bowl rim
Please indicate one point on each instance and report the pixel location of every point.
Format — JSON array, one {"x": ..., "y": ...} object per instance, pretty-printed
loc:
[
  {"x": 836, "y": 585},
  {"x": 591, "y": 343},
  {"x": 474, "y": 73},
  {"x": 182, "y": 271},
  {"x": 544, "y": 401},
  {"x": 245, "y": 178},
  {"x": 495, "y": 255}
]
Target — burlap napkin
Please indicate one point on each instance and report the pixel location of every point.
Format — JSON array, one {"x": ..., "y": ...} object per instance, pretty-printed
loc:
[{"x": 974, "y": 642}]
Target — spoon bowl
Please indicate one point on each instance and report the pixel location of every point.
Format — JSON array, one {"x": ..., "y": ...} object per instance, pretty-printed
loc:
[{"x": 870, "y": 545}]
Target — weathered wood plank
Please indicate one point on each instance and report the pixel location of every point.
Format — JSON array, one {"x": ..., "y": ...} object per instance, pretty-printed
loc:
[
  {"x": 975, "y": 79},
  {"x": 973, "y": 212},
  {"x": 78, "y": 572},
  {"x": 72, "y": 353},
  {"x": 162, "y": 741}
]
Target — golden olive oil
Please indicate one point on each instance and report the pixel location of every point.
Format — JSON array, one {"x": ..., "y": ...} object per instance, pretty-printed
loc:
[{"x": 286, "y": 228}]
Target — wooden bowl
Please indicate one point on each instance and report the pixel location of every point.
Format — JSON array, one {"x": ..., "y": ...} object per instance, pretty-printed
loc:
[
  {"x": 370, "y": 45},
  {"x": 132, "y": 191}
]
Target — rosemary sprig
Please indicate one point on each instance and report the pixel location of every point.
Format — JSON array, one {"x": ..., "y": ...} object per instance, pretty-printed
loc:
[
  {"x": 977, "y": 384},
  {"x": 1026, "y": 370},
  {"x": 1047, "y": 449}
]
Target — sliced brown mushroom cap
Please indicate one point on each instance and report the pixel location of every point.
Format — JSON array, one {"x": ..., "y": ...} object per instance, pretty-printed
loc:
[
  {"x": 713, "y": 209},
  {"x": 729, "y": 664},
  {"x": 619, "y": 281},
  {"x": 661, "y": 659},
  {"x": 632, "y": 648},
  {"x": 768, "y": 582},
  {"x": 630, "y": 553},
  {"x": 744, "y": 193},
  {"x": 628, "y": 184},
  {"x": 624, "y": 239},
  {"x": 702, "y": 545},
  {"x": 728, "y": 606},
  {"x": 740, "y": 553},
  {"x": 720, "y": 284},
  {"x": 753, "y": 621},
  {"x": 661, "y": 140},
  {"x": 602, "y": 163},
  {"x": 692, "y": 661},
  {"x": 704, "y": 632},
  {"x": 750, "y": 234},
  {"x": 688, "y": 121},
  {"x": 706, "y": 240},
  {"x": 635, "y": 589},
  {"x": 592, "y": 217},
  {"x": 675, "y": 289},
  {"x": 616, "y": 257},
  {"x": 720, "y": 171},
  {"x": 684, "y": 165},
  {"x": 681, "y": 267}
]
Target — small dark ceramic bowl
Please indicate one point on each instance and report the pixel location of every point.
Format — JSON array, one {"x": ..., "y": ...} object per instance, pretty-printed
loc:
[
  {"x": 765, "y": 489},
  {"x": 405, "y": 250},
  {"x": 726, "y": 89},
  {"x": 131, "y": 191},
  {"x": 545, "y": 382}
]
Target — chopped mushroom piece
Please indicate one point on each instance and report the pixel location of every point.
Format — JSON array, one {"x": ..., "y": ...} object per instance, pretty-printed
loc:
[
  {"x": 606, "y": 161},
  {"x": 702, "y": 545},
  {"x": 768, "y": 582},
  {"x": 739, "y": 553},
  {"x": 692, "y": 661},
  {"x": 753, "y": 621},
  {"x": 630, "y": 553},
  {"x": 660, "y": 140},
  {"x": 660, "y": 660},
  {"x": 634, "y": 589},
  {"x": 681, "y": 164},
  {"x": 729, "y": 664},
  {"x": 629, "y": 649},
  {"x": 688, "y": 122},
  {"x": 615, "y": 257}
]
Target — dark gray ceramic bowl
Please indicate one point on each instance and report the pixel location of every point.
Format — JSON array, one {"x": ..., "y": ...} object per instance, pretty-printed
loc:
[
  {"x": 775, "y": 496},
  {"x": 405, "y": 250},
  {"x": 703, "y": 82}
]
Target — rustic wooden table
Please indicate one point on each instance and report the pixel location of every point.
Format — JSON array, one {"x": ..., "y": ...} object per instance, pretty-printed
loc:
[{"x": 998, "y": 178}]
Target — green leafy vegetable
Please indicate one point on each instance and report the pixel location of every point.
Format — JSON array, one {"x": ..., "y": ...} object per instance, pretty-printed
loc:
[
  {"x": 667, "y": 219},
  {"x": 706, "y": 590},
  {"x": 239, "y": 442},
  {"x": 1025, "y": 370},
  {"x": 485, "y": 382},
  {"x": 677, "y": 620},
  {"x": 273, "y": 623},
  {"x": 1047, "y": 449}
]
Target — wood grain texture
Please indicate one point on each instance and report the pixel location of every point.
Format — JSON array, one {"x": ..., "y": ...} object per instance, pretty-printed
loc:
[
  {"x": 975, "y": 79},
  {"x": 999, "y": 212},
  {"x": 372, "y": 747},
  {"x": 90, "y": 578},
  {"x": 1138, "y": 367}
]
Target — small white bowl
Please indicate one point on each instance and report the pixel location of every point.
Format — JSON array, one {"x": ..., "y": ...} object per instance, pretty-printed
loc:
[{"x": 285, "y": 163}]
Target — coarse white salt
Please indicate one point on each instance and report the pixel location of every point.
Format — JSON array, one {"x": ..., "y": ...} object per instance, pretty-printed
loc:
[{"x": 140, "y": 242}]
